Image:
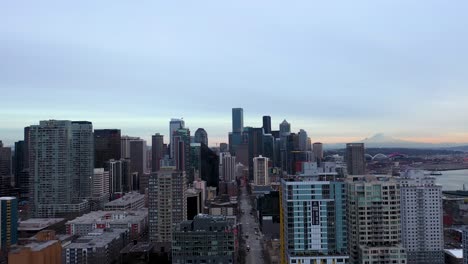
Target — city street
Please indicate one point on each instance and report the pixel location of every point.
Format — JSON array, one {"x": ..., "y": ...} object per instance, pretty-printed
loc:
[{"x": 254, "y": 256}]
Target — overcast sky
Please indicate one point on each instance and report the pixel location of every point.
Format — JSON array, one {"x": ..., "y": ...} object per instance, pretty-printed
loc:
[{"x": 341, "y": 70}]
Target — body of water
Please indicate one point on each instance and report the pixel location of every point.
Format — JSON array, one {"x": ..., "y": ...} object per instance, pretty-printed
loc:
[{"x": 453, "y": 180}]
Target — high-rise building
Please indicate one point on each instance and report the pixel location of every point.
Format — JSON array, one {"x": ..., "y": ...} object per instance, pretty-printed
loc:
[
  {"x": 181, "y": 140},
  {"x": 465, "y": 245},
  {"x": 205, "y": 239},
  {"x": 228, "y": 168},
  {"x": 302, "y": 140},
  {"x": 267, "y": 124},
  {"x": 309, "y": 144},
  {"x": 82, "y": 157},
  {"x": 284, "y": 133},
  {"x": 269, "y": 146},
  {"x": 26, "y": 147},
  {"x": 120, "y": 177},
  {"x": 355, "y": 161},
  {"x": 157, "y": 149},
  {"x": 255, "y": 141},
  {"x": 107, "y": 146},
  {"x": 237, "y": 120},
  {"x": 194, "y": 203},
  {"x": 260, "y": 170},
  {"x": 125, "y": 146},
  {"x": 18, "y": 158},
  {"x": 5, "y": 170},
  {"x": 138, "y": 156},
  {"x": 223, "y": 147},
  {"x": 201, "y": 136},
  {"x": 373, "y": 215},
  {"x": 205, "y": 163},
  {"x": 313, "y": 220},
  {"x": 100, "y": 189},
  {"x": 61, "y": 167},
  {"x": 421, "y": 218},
  {"x": 9, "y": 222},
  {"x": 167, "y": 196},
  {"x": 317, "y": 148},
  {"x": 284, "y": 128},
  {"x": 174, "y": 125}
]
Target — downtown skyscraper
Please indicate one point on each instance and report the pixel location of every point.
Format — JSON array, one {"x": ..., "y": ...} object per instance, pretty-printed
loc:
[
  {"x": 235, "y": 137},
  {"x": 61, "y": 167},
  {"x": 107, "y": 145},
  {"x": 355, "y": 161}
]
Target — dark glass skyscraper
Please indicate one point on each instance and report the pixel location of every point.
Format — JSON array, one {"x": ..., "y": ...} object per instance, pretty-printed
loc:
[
  {"x": 355, "y": 161},
  {"x": 255, "y": 139},
  {"x": 201, "y": 136},
  {"x": 267, "y": 124},
  {"x": 157, "y": 151},
  {"x": 19, "y": 162},
  {"x": 237, "y": 120},
  {"x": 107, "y": 146}
]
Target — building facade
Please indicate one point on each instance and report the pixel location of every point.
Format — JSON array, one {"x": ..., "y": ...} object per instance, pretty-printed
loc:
[
  {"x": 260, "y": 171},
  {"x": 201, "y": 136},
  {"x": 136, "y": 221},
  {"x": 374, "y": 220},
  {"x": 229, "y": 168},
  {"x": 355, "y": 161},
  {"x": 99, "y": 246},
  {"x": 9, "y": 222},
  {"x": 107, "y": 146},
  {"x": 312, "y": 220},
  {"x": 421, "y": 218},
  {"x": 167, "y": 195},
  {"x": 174, "y": 125},
  {"x": 157, "y": 151},
  {"x": 61, "y": 158},
  {"x": 205, "y": 239},
  {"x": 100, "y": 189}
]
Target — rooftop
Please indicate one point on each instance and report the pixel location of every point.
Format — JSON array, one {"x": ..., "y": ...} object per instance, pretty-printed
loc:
[
  {"x": 34, "y": 224},
  {"x": 126, "y": 199},
  {"x": 456, "y": 253},
  {"x": 96, "y": 239},
  {"x": 35, "y": 246},
  {"x": 111, "y": 216},
  {"x": 7, "y": 198},
  {"x": 140, "y": 247}
]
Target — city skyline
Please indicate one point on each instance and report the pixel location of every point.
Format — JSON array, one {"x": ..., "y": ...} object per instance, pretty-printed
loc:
[{"x": 342, "y": 76}]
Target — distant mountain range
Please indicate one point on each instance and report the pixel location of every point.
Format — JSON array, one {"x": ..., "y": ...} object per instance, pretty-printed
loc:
[{"x": 382, "y": 141}]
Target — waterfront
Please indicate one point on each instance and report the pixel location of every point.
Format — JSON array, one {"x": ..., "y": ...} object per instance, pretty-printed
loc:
[{"x": 453, "y": 180}]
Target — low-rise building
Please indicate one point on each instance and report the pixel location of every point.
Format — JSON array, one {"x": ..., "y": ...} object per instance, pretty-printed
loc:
[
  {"x": 44, "y": 248},
  {"x": 136, "y": 221},
  {"x": 223, "y": 205},
  {"x": 206, "y": 239},
  {"x": 130, "y": 201},
  {"x": 32, "y": 226},
  {"x": 100, "y": 246}
]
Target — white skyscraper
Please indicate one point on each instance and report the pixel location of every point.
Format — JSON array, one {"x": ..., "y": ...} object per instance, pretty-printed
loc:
[
  {"x": 260, "y": 170},
  {"x": 421, "y": 218},
  {"x": 229, "y": 168}
]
